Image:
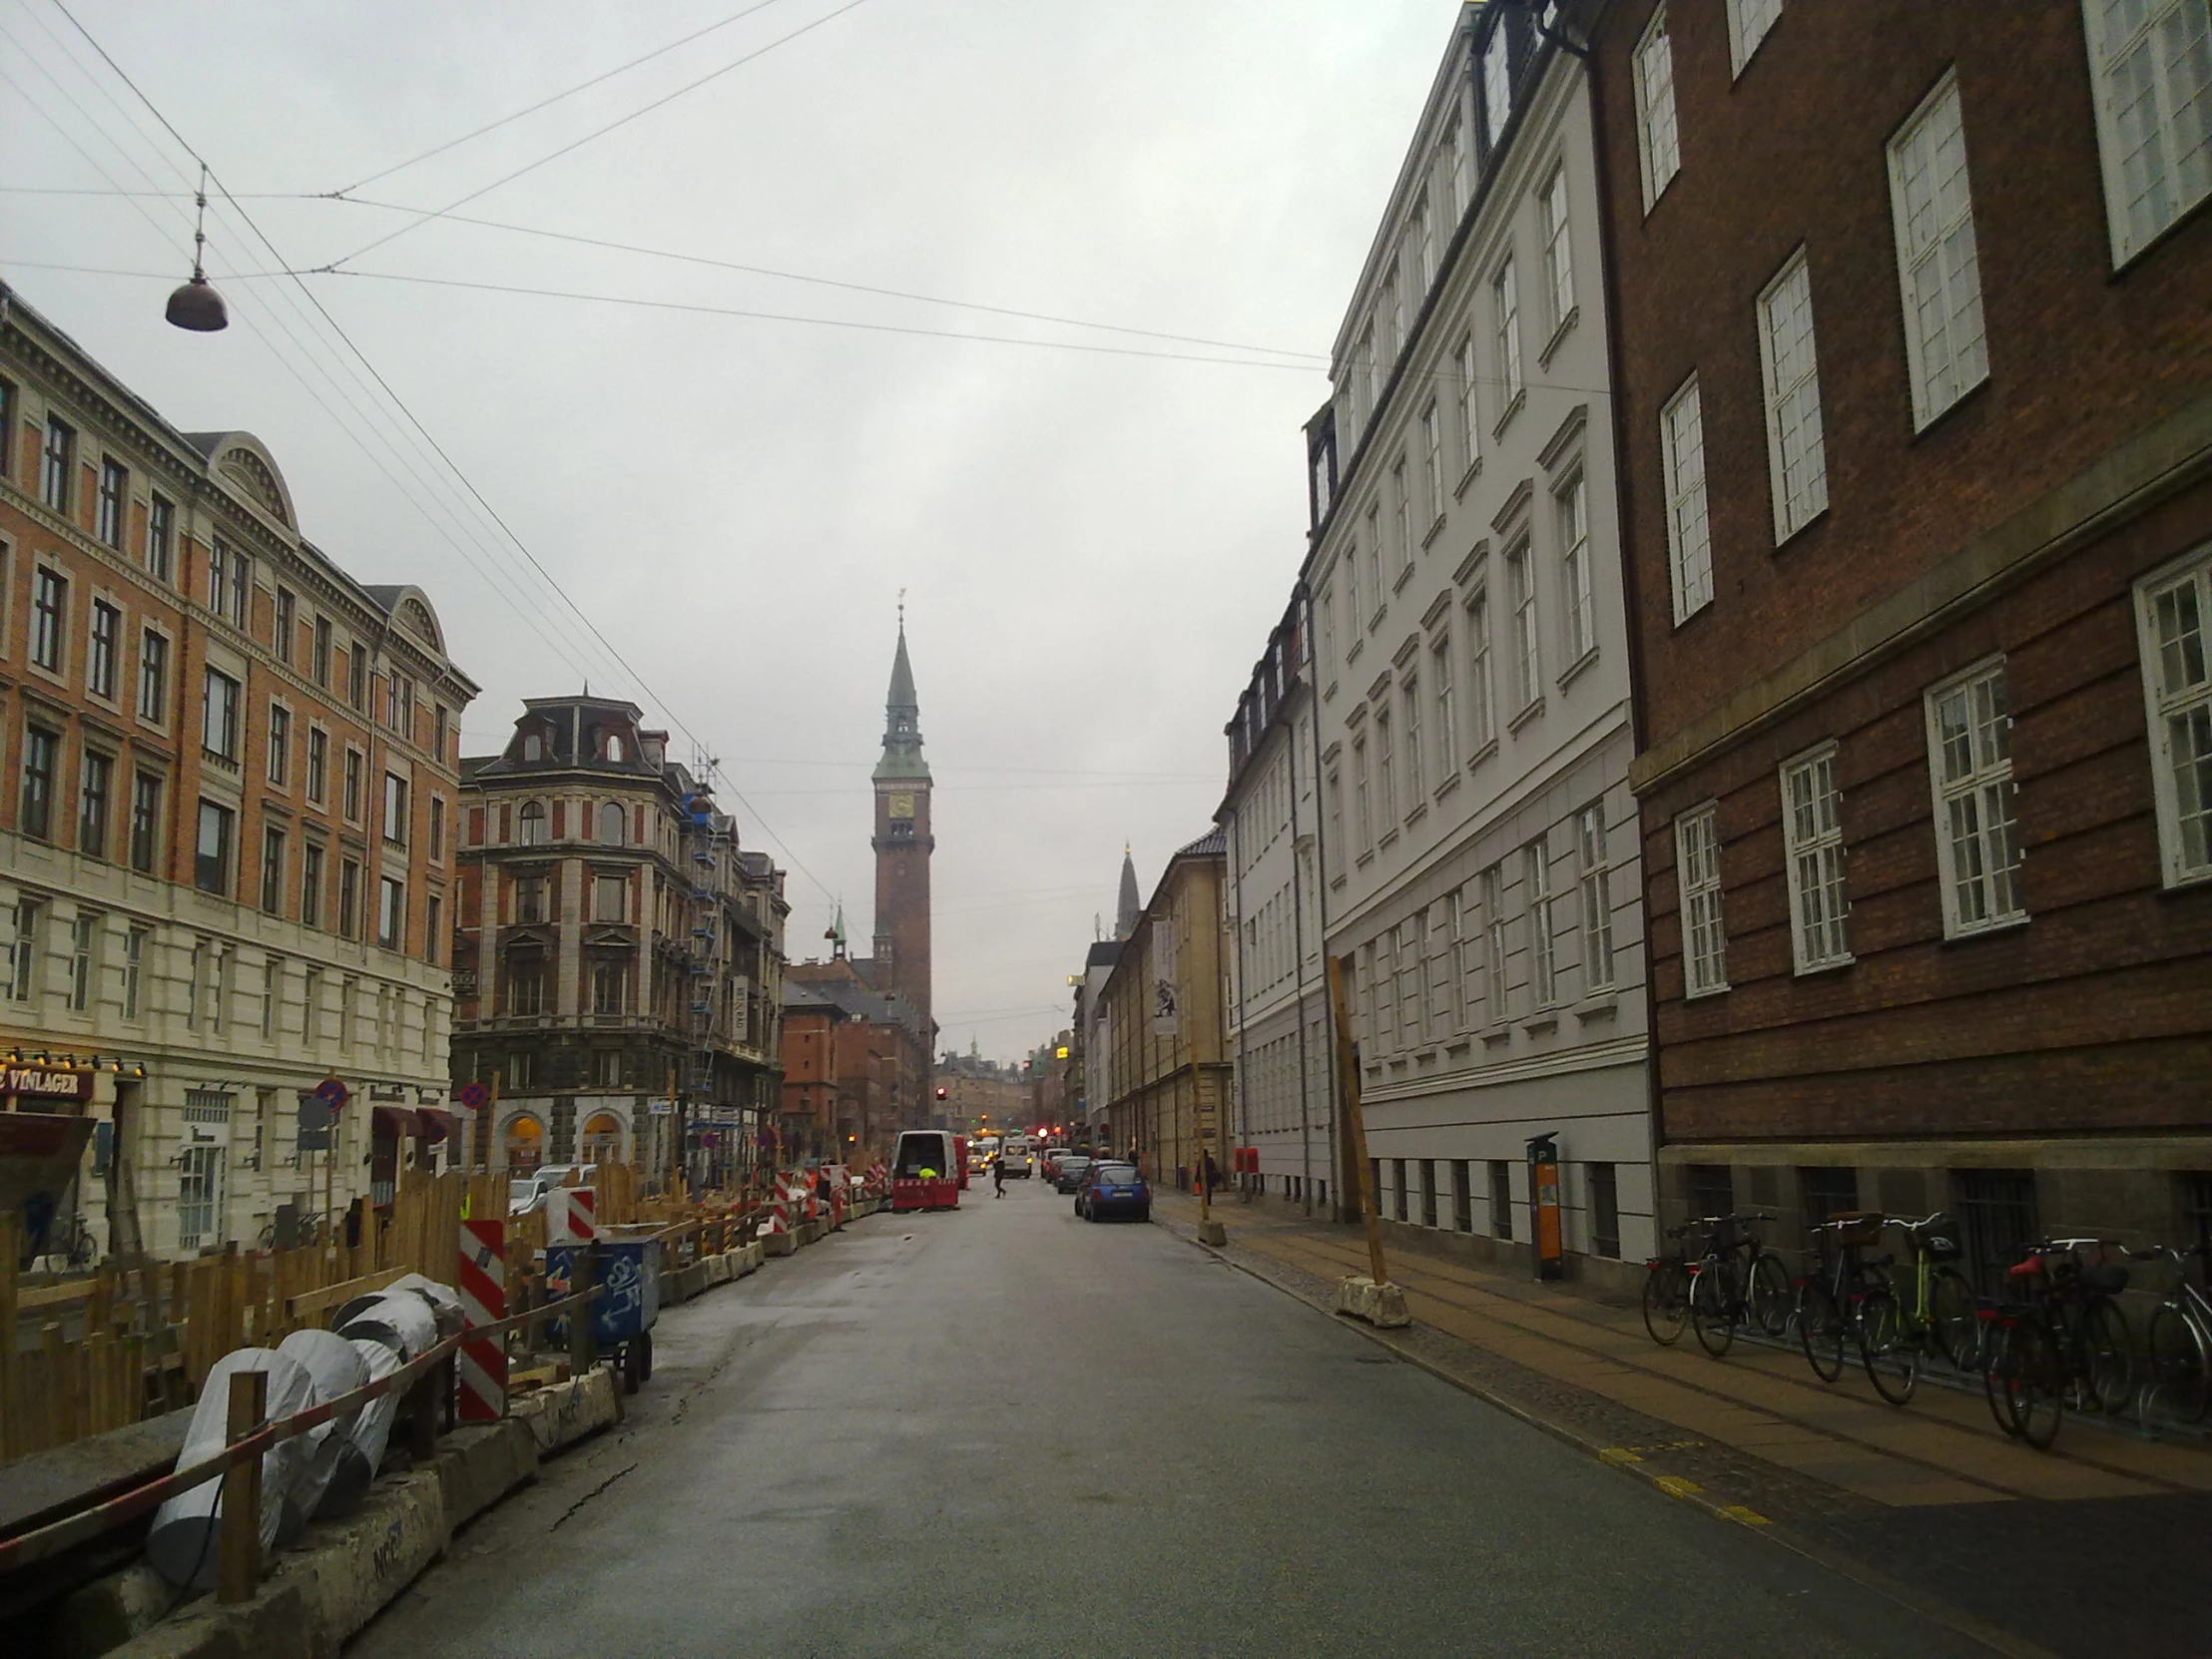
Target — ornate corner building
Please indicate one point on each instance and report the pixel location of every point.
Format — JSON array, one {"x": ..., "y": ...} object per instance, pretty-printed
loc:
[{"x": 619, "y": 958}]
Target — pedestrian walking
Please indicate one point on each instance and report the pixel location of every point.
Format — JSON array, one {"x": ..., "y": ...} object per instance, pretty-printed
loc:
[{"x": 998, "y": 1177}]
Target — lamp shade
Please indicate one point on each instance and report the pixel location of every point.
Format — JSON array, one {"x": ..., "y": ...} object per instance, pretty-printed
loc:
[{"x": 196, "y": 305}]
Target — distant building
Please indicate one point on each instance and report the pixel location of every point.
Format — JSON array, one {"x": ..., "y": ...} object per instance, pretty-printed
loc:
[
  {"x": 619, "y": 957},
  {"x": 226, "y": 840},
  {"x": 980, "y": 1096},
  {"x": 856, "y": 1065},
  {"x": 1915, "y": 396},
  {"x": 1168, "y": 1068}
]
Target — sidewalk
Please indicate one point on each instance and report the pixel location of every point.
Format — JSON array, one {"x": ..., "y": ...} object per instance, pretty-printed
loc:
[{"x": 1931, "y": 1497}]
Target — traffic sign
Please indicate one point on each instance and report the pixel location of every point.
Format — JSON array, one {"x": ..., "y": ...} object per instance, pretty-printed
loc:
[
  {"x": 474, "y": 1096},
  {"x": 333, "y": 1094}
]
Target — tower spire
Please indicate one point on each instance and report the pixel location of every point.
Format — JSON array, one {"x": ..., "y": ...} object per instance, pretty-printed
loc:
[{"x": 1131, "y": 907}]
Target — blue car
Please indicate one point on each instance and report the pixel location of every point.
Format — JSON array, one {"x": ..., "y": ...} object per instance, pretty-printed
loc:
[{"x": 1113, "y": 1189}]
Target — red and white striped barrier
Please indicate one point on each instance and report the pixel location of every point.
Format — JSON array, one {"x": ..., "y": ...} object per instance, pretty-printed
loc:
[
  {"x": 571, "y": 1215},
  {"x": 481, "y": 1364},
  {"x": 779, "y": 1207}
]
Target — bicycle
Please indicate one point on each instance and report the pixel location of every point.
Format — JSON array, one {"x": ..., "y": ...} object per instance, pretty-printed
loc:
[
  {"x": 2066, "y": 1339},
  {"x": 1936, "y": 1314},
  {"x": 1828, "y": 1301},
  {"x": 1667, "y": 1291},
  {"x": 1737, "y": 1280},
  {"x": 2177, "y": 1343}
]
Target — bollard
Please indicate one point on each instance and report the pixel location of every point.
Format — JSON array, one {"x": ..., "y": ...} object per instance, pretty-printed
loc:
[
  {"x": 585, "y": 1278},
  {"x": 239, "y": 1542}
]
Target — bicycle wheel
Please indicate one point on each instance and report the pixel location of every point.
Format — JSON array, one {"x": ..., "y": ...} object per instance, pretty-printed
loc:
[
  {"x": 1821, "y": 1329},
  {"x": 1666, "y": 1300},
  {"x": 1891, "y": 1354},
  {"x": 1950, "y": 1313},
  {"x": 1997, "y": 1372},
  {"x": 2107, "y": 1355},
  {"x": 1772, "y": 1299},
  {"x": 2180, "y": 1368},
  {"x": 2036, "y": 1383},
  {"x": 1713, "y": 1307}
]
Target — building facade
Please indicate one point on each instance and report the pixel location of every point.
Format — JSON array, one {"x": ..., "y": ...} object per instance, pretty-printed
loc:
[
  {"x": 1279, "y": 1019},
  {"x": 853, "y": 1069},
  {"x": 227, "y": 852},
  {"x": 619, "y": 957},
  {"x": 1471, "y": 672},
  {"x": 1914, "y": 399},
  {"x": 1168, "y": 1067}
]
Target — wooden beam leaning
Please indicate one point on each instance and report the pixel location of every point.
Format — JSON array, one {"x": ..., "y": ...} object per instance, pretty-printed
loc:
[{"x": 237, "y": 1560}]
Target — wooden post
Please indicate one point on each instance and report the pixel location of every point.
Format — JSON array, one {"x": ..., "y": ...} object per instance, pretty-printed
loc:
[
  {"x": 585, "y": 1277},
  {"x": 1348, "y": 1073},
  {"x": 239, "y": 1543}
]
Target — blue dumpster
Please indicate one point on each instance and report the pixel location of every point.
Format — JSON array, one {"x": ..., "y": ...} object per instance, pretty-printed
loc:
[{"x": 623, "y": 1319}]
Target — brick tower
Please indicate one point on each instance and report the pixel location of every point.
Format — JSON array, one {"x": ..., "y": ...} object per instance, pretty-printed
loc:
[{"x": 903, "y": 843}]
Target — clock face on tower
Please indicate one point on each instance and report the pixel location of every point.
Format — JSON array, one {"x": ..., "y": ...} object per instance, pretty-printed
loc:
[{"x": 902, "y": 806}]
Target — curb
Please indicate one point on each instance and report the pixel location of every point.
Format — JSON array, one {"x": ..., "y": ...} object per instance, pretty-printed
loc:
[{"x": 1942, "y": 1613}]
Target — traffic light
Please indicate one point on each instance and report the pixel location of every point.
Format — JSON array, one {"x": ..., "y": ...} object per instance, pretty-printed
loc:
[{"x": 943, "y": 1091}]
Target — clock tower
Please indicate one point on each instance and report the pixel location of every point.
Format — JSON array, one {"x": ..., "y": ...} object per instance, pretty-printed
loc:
[{"x": 903, "y": 843}]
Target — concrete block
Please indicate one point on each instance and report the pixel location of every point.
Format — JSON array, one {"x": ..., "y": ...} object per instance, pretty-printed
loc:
[
  {"x": 717, "y": 1269},
  {"x": 359, "y": 1564},
  {"x": 808, "y": 1231},
  {"x": 1212, "y": 1233},
  {"x": 1380, "y": 1305},
  {"x": 108, "y": 1612},
  {"x": 780, "y": 1244},
  {"x": 479, "y": 1466},
  {"x": 274, "y": 1625},
  {"x": 567, "y": 1411}
]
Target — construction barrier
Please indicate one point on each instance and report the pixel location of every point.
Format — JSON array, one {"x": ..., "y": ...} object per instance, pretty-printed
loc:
[{"x": 482, "y": 1366}]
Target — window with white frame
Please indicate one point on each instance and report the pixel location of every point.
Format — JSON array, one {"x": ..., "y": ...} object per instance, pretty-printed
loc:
[
  {"x": 1660, "y": 144},
  {"x": 1408, "y": 696},
  {"x": 1969, "y": 766},
  {"x": 1471, "y": 441},
  {"x": 1748, "y": 23},
  {"x": 1520, "y": 594},
  {"x": 1481, "y": 709},
  {"x": 1578, "y": 603},
  {"x": 1697, "y": 855},
  {"x": 1689, "y": 534},
  {"x": 1325, "y": 636},
  {"x": 1412, "y": 962},
  {"x": 2173, "y": 614},
  {"x": 1401, "y": 511},
  {"x": 1544, "y": 976},
  {"x": 1451, "y": 173},
  {"x": 1551, "y": 212},
  {"x": 1796, "y": 451},
  {"x": 1433, "y": 466},
  {"x": 1498, "y": 84},
  {"x": 1385, "y": 769},
  {"x": 1335, "y": 792},
  {"x": 1388, "y": 321},
  {"x": 1467, "y": 941},
  {"x": 1594, "y": 892},
  {"x": 1365, "y": 383},
  {"x": 1813, "y": 850},
  {"x": 1375, "y": 560},
  {"x": 1422, "y": 254},
  {"x": 1506, "y": 317},
  {"x": 1352, "y": 613},
  {"x": 1446, "y": 995},
  {"x": 1937, "y": 270},
  {"x": 1363, "y": 823},
  {"x": 2151, "y": 63},
  {"x": 1386, "y": 992},
  {"x": 1447, "y": 706},
  {"x": 1492, "y": 883}
]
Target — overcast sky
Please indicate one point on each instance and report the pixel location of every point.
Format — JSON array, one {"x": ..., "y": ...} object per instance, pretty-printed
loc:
[{"x": 1093, "y": 545}]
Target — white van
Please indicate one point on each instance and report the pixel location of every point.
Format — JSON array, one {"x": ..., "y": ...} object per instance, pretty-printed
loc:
[{"x": 1016, "y": 1157}]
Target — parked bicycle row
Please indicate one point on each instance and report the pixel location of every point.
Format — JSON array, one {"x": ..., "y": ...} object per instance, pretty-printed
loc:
[{"x": 2058, "y": 1339}]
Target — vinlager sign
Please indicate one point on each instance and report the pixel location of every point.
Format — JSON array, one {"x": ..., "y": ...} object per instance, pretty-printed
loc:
[{"x": 40, "y": 1083}]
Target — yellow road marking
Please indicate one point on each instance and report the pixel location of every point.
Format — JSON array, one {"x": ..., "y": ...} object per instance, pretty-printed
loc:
[
  {"x": 1675, "y": 1487},
  {"x": 1619, "y": 1455},
  {"x": 1750, "y": 1517}
]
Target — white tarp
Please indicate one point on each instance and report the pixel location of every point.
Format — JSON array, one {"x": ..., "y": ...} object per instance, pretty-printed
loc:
[
  {"x": 183, "y": 1544},
  {"x": 339, "y": 1369}
]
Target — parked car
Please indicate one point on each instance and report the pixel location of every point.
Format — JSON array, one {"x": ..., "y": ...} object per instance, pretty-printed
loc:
[
  {"x": 1113, "y": 1190},
  {"x": 526, "y": 1192},
  {"x": 1068, "y": 1171},
  {"x": 1048, "y": 1164}
]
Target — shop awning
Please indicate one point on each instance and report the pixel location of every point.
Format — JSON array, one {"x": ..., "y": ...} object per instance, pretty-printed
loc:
[
  {"x": 395, "y": 1120},
  {"x": 438, "y": 1124}
]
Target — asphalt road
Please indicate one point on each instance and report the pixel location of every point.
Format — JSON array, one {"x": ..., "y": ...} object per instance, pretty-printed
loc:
[{"x": 1002, "y": 1430}]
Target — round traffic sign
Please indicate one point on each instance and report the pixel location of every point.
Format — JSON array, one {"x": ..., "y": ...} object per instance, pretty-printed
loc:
[
  {"x": 333, "y": 1094},
  {"x": 474, "y": 1096}
]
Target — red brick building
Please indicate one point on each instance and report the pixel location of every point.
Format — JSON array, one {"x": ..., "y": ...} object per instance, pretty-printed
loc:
[
  {"x": 1915, "y": 414},
  {"x": 855, "y": 1066}
]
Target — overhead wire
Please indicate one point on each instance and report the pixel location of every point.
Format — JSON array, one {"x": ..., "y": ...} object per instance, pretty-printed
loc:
[
  {"x": 401, "y": 404},
  {"x": 597, "y": 133},
  {"x": 346, "y": 191}
]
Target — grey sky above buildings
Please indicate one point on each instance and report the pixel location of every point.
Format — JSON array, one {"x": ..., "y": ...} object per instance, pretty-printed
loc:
[{"x": 1093, "y": 544}]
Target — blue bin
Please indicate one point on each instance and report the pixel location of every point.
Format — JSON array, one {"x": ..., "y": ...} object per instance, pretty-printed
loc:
[{"x": 631, "y": 1270}]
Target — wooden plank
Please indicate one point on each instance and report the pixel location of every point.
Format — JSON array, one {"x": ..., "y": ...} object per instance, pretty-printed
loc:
[{"x": 310, "y": 1307}]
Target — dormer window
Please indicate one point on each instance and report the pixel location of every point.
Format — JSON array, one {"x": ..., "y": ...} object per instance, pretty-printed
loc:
[
  {"x": 533, "y": 748},
  {"x": 614, "y": 747}
]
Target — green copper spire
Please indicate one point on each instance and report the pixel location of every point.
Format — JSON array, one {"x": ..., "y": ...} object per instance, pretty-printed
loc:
[{"x": 902, "y": 719}]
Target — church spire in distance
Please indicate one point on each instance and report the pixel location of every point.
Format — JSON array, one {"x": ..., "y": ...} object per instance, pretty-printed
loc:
[
  {"x": 903, "y": 717},
  {"x": 1131, "y": 907}
]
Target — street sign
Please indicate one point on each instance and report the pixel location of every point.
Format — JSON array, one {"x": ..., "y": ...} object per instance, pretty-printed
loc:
[
  {"x": 474, "y": 1096},
  {"x": 333, "y": 1094}
]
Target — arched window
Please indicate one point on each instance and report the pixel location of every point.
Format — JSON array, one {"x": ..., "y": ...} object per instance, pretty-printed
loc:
[
  {"x": 610, "y": 824},
  {"x": 533, "y": 823},
  {"x": 614, "y": 745},
  {"x": 525, "y": 1143},
  {"x": 603, "y": 1139},
  {"x": 534, "y": 746}
]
